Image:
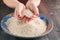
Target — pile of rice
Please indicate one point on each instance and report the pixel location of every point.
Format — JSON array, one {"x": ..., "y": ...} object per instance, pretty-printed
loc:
[{"x": 33, "y": 28}]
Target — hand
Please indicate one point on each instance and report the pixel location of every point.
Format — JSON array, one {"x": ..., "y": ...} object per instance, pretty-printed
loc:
[
  {"x": 18, "y": 11},
  {"x": 33, "y": 8}
]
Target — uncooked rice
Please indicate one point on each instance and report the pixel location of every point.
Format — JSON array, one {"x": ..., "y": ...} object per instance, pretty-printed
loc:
[{"x": 33, "y": 28}]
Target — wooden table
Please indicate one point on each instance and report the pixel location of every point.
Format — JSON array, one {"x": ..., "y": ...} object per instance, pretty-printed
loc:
[{"x": 54, "y": 12}]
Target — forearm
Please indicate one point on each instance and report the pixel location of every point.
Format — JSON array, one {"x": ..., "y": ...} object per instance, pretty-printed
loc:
[
  {"x": 35, "y": 2},
  {"x": 12, "y": 3}
]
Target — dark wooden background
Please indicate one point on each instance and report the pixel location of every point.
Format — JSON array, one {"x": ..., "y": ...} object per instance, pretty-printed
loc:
[{"x": 52, "y": 8}]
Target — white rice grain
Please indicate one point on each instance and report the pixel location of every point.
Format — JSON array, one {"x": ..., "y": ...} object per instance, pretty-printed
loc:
[{"x": 35, "y": 27}]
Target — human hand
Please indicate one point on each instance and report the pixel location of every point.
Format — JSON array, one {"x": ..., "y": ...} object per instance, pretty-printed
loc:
[
  {"x": 33, "y": 6},
  {"x": 18, "y": 11}
]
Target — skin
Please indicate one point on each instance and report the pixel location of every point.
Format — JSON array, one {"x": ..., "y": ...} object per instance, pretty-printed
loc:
[
  {"x": 11, "y": 3},
  {"x": 14, "y": 4},
  {"x": 18, "y": 11},
  {"x": 31, "y": 4}
]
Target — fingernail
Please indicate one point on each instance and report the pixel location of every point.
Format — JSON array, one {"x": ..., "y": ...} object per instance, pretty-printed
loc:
[{"x": 37, "y": 14}]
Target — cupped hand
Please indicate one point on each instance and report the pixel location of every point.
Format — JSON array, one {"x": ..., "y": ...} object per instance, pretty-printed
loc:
[
  {"x": 21, "y": 7},
  {"x": 18, "y": 11},
  {"x": 33, "y": 6}
]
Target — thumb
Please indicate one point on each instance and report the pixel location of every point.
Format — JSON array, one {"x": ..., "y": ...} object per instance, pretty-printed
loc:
[{"x": 34, "y": 9}]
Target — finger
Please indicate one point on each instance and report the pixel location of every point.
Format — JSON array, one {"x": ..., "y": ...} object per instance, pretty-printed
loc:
[
  {"x": 16, "y": 15},
  {"x": 34, "y": 9},
  {"x": 21, "y": 9},
  {"x": 18, "y": 11}
]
